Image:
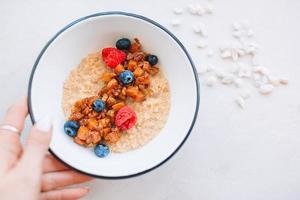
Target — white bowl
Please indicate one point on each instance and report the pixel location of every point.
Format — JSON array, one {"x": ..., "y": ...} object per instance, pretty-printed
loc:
[{"x": 89, "y": 34}]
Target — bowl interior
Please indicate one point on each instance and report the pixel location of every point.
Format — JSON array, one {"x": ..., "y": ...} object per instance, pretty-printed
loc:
[{"x": 90, "y": 35}]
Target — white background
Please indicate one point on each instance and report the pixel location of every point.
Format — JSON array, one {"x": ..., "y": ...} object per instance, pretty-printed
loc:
[{"x": 232, "y": 153}]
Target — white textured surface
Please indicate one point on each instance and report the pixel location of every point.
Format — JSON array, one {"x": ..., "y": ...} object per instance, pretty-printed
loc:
[{"x": 232, "y": 154}]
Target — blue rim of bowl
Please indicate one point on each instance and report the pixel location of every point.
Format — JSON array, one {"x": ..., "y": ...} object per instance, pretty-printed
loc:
[{"x": 134, "y": 16}]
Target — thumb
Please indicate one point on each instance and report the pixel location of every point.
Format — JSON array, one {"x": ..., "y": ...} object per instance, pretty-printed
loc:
[{"x": 36, "y": 146}]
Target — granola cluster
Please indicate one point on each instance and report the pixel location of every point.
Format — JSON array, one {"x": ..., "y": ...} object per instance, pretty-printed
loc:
[{"x": 94, "y": 127}]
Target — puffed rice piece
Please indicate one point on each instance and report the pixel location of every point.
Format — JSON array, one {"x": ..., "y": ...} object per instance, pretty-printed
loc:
[
  {"x": 209, "y": 9},
  {"x": 192, "y": 9},
  {"x": 266, "y": 89},
  {"x": 226, "y": 54},
  {"x": 175, "y": 22},
  {"x": 240, "y": 102},
  {"x": 200, "y": 29},
  {"x": 200, "y": 10},
  {"x": 210, "y": 81},
  {"x": 238, "y": 82},
  {"x": 284, "y": 81},
  {"x": 227, "y": 79},
  {"x": 201, "y": 44},
  {"x": 274, "y": 81},
  {"x": 177, "y": 11}
]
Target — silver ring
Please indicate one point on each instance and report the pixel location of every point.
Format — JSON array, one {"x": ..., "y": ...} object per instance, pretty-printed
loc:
[{"x": 9, "y": 128}]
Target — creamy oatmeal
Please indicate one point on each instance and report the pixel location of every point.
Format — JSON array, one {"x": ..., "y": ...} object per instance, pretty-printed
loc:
[{"x": 151, "y": 112}]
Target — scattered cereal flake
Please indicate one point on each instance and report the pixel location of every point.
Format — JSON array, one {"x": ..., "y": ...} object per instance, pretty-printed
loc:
[
  {"x": 250, "y": 33},
  {"x": 227, "y": 79},
  {"x": 238, "y": 82},
  {"x": 265, "y": 71},
  {"x": 200, "y": 29},
  {"x": 257, "y": 84},
  {"x": 243, "y": 46},
  {"x": 209, "y": 9},
  {"x": 210, "y": 81},
  {"x": 257, "y": 69},
  {"x": 226, "y": 54},
  {"x": 178, "y": 11},
  {"x": 245, "y": 93},
  {"x": 176, "y": 22},
  {"x": 241, "y": 52},
  {"x": 192, "y": 9},
  {"x": 237, "y": 34},
  {"x": 240, "y": 102},
  {"x": 210, "y": 53},
  {"x": 201, "y": 44},
  {"x": 266, "y": 89},
  {"x": 251, "y": 48},
  {"x": 261, "y": 70},
  {"x": 200, "y": 10},
  {"x": 236, "y": 26},
  {"x": 204, "y": 32},
  {"x": 264, "y": 79},
  {"x": 284, "y": 81},
  {"x": 244, "y": 74},
  {"x": 274, "y": 81},
  {"x": 256, "y": 77},
  {"x": 234, "y": 55},
  {"x": 244, "y": 71},
  {"x": 197, "y": 28}
]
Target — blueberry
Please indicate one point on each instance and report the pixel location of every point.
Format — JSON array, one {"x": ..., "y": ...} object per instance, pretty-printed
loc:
[
  {"x": 152, "y": 59},
  {"x": 101, "y": 150},
  {"x": 126, "y": 77},
  {"x": 71, "y": 128},
  {"x": 123, "y": 44},
  {"x": 98, "y": 105}
]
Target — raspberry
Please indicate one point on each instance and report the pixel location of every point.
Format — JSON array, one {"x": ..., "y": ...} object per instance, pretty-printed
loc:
[
  {"x": 106, "y": 51},
  {"x": 125, "y": 118},
  {"x": 113, "y": 56}
]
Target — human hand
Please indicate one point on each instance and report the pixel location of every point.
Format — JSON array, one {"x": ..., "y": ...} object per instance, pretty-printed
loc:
[{"x": 31, "y": 173}]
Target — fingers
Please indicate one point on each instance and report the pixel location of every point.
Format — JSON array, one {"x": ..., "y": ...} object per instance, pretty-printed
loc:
[
  {"x": 50, "y": 164},
  {"x": 16, "y": 114},
  {"x": 54, "y": 180},
  {"x": 36, "y": 147},
  {"x": 65, "y": 194},
  {"x": 10, "y": 147}
]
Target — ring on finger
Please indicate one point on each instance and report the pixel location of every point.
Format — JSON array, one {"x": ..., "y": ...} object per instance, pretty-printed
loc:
[{"x": 9, "y": 128}]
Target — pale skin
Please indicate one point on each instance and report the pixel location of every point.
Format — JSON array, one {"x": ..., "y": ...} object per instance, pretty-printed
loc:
[{"x": 29, "y": 172}]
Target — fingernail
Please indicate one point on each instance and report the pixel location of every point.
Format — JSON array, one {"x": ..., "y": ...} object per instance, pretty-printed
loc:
[
  {"x": 44, "y": 124},
  {"x": 87, "y": 189}
]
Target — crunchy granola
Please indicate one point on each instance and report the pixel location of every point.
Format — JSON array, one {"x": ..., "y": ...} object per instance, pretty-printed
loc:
[{"x": 96, "y": 127}]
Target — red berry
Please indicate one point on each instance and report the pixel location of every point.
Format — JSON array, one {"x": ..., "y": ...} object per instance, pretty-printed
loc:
[
  {"x": 125, "y": 118},
  {"x": 113, "y": 56},
  {"x": 106, "y": 51}
]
